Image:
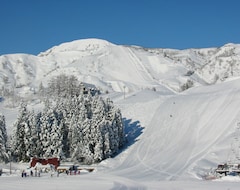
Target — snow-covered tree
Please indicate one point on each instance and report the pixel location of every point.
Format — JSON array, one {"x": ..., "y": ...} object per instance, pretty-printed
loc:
[
  {"x": 41, "y": 91},
  {"x": 34, "y": 148},
  {"x": 56, "y": 139},
  {"x": 37, "y": 136},
  {"x": 63, "y": 86},
  {"x": 30, "y": 136},
  {"x": 3, "y": 139},
  {"x": 19, "y": 146},
  {"x": 82, "y": 127},
  {"x": 46, "y": 136}
]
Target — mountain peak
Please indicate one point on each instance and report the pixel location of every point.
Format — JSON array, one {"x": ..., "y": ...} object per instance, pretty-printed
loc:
[{"x": 90, "y": 44}]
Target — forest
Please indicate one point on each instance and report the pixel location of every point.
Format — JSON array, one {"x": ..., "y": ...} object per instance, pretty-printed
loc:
[{"x": 75, "y": 124}]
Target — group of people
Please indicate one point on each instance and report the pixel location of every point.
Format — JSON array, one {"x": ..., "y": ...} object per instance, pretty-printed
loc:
[
  {"x": 37, "y": 173},
  {"x": 72, "y": 172}
]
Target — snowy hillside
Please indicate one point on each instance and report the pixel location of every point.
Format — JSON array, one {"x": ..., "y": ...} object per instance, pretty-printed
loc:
[
  {"x": 118, "y": 68},
  {"x": 174, "y": 137},
  {"x": 186, "y": 134}
]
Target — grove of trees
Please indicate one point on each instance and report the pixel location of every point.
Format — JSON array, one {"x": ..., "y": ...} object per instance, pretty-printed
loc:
[{"x": 75, "y": 124}]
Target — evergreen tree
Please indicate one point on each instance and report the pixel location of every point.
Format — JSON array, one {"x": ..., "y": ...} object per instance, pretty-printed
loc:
[
  {"x": 74, "y": 137},
  {"x": 21, "y": 126},
  {"x": 56, "y": 140},
  {"x": 46, "y": 133},
  {"x": 28, "y": 140},
  {"x": 82, "y": 127},
  {"x": 41, "y": 91},
  {"x": 3, "y": 139},
  {"x": 37, "y": 135},
  {"x": 34, "y": 135}
]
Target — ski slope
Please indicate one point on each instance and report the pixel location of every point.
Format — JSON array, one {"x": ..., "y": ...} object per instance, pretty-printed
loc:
[
  {"x": 173, "y": 140},
  {"x": 188, "y": 134},
  {"x": 174, "y": 137}
]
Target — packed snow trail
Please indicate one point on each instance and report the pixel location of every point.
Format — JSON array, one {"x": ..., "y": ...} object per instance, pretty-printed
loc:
[{"x": 145, "y": 74}]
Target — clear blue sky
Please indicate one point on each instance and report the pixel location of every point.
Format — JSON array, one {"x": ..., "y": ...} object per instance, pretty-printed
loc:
[{"x": 33, "y": 26}]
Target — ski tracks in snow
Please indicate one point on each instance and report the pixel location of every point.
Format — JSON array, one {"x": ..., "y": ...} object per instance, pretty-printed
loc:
[
  {"x": 170, "y": 147},
  {"x": 143, "y": 72},
  {"x": 225, "y": 106}
]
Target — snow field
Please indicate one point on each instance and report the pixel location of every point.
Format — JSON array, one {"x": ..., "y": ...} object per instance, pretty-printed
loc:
[
  {"x": 177, "y": 138},
  {"x": 173, "y": 138}
]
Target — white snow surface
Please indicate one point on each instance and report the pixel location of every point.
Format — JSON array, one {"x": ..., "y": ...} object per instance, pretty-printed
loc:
[
  {"x": 174, "y": 138},
  {"x": 113, "y": 67}
]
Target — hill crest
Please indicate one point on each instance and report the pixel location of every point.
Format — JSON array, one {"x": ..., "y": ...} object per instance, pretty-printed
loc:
[{"x": 121, "y": 68}]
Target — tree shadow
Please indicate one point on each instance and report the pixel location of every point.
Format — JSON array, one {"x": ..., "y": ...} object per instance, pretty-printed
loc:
[{"x": 133, "y": 130}]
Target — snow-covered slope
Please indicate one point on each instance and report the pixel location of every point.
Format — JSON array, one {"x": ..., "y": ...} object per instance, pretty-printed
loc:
[
  {"x": 185, "y": 135},
  {"x": 118, "y": 68},
  {"x": 173, "y": 138}
]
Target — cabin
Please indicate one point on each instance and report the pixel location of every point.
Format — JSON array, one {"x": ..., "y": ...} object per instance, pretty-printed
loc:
[
  {"x": 228, "y": 169},
  {"x": 55, "y": 162}
]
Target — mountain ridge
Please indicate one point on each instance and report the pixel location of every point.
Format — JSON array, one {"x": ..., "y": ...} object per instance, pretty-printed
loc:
[{"x": 122, "y": 68}]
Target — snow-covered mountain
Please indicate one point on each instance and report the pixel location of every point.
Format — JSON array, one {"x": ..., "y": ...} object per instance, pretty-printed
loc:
[
  {"x": 174, "y": 136},
  {"x": 121, "y": 68}
]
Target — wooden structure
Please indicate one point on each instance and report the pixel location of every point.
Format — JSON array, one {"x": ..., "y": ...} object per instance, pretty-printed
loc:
[
  {"x": 232, "y": 166},
  {"x": 69, "y": 168},
  {"x": 228, "y": 169},
  {"x": 44, "y": 161}
]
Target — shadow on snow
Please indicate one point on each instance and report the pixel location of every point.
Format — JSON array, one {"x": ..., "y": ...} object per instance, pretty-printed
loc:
[{"x": 133, "y": 130}]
